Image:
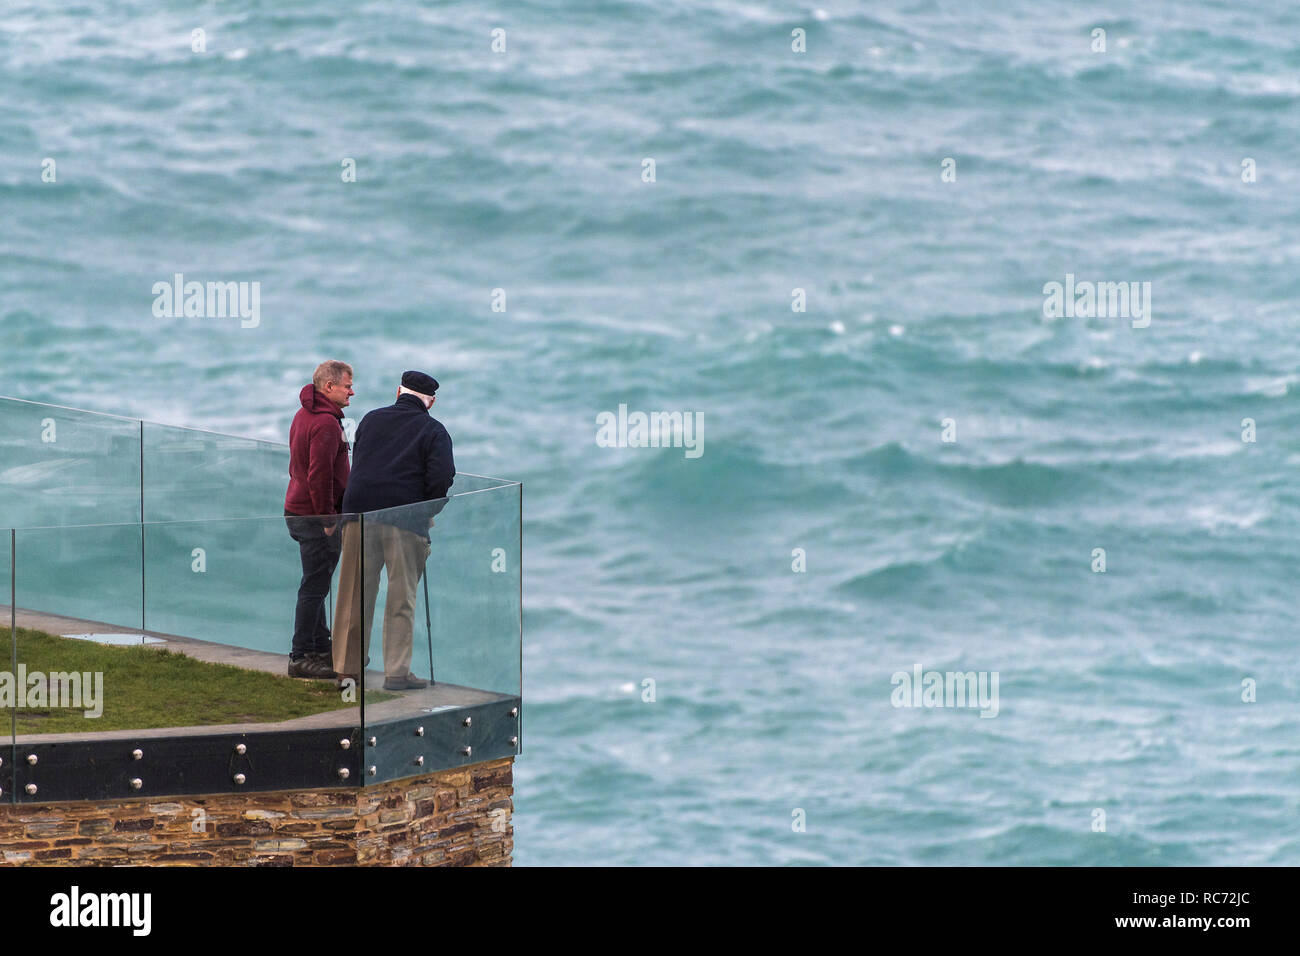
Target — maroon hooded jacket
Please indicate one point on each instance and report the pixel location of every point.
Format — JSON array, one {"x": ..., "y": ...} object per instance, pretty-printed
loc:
[{"x": 318, "y": 457}]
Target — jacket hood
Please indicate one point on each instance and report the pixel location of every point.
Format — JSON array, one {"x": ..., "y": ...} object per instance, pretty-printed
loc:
[{"x": 314, "y": 401}]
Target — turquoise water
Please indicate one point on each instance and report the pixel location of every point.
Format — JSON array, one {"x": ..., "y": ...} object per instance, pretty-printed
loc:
[{"x": 522, "y": 171}]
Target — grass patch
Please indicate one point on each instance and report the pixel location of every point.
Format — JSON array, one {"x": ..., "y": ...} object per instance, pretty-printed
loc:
[{"x": 148, "y": 687}]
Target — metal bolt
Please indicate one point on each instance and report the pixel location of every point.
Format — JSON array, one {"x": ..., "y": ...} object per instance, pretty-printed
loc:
[
  {"x": 467, "y": 750},
  {"x": 514, "y": 711},
  {"x": 419, "y": 731},
  {"x": 373, "y": 741},
  {"x": 345, "y": 743},
  {"x": 137, "y": 754},
  {"x": 240, "y": 778},
  {"x": 344, "y": 773},
  {"x": 468, "y": 721},
  {"x": 419, "y": 761},
  {"x": 240, "y": 749},
  {"x": 31, "y": 788},
  {"x": 372, "y": 770},
  {"x": 31, "y": 759},
  {"x": 514, "y": 741},
  {"x": 136, "y": 783}
]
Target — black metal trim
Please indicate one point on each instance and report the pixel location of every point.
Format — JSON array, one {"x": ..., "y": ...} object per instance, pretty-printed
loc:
[
  {"x": 73, "y": 770},
  {"x": 445, "y": 742},
  {"x": 105, "y": 770}
]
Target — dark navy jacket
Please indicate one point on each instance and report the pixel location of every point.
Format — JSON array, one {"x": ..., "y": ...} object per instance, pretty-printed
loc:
[{"x": 402, "y": 455}]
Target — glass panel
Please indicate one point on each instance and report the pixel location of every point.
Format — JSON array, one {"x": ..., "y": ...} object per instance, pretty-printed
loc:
[
  {"x": 473, "y": 588},
  {"x": 190, "y": 474},
  {"x": 353, "y": 607},
  {"x": 79, "y": 576},
  {"x": 60, "y": 466},
  {"x": 236, "y": 581},
  {"x": 74, "y": 588},
  {"x": 443, "y": 581},
  {"x": 252, "y": 592}
]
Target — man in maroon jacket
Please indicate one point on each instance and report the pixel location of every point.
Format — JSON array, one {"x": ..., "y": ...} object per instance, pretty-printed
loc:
[{"x": 318, "y": 476}]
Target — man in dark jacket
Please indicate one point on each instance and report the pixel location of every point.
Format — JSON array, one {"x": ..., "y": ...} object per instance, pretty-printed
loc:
[
  {"x": 402, "y": 461},
  {"x": 318, "y": 475}
]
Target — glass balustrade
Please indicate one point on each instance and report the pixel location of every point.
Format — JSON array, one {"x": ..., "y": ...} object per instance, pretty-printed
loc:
[{"x": 178, "y": 628}]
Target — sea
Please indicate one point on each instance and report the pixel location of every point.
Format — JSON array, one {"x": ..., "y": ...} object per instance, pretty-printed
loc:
[{"x": 836, "y": 239}]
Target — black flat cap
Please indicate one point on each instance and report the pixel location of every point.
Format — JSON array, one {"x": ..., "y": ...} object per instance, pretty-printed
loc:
[{"x": 419, "y": 382}]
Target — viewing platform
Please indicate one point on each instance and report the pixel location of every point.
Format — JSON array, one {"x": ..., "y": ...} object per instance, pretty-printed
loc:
[{"x": 153, "y": 564}]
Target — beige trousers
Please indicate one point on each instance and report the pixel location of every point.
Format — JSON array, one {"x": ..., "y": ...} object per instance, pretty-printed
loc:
[{"x": 403, "y": 554}]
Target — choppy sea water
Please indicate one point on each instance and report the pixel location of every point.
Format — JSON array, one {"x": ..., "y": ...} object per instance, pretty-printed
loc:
[{"x": 823, "y": 429}]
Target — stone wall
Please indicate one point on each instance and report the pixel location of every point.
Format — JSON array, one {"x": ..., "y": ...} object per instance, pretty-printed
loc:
[{"x": 456, "y": 817}]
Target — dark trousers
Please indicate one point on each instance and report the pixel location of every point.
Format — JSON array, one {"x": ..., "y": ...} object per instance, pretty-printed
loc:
[{"x": 320, "y": 555}]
